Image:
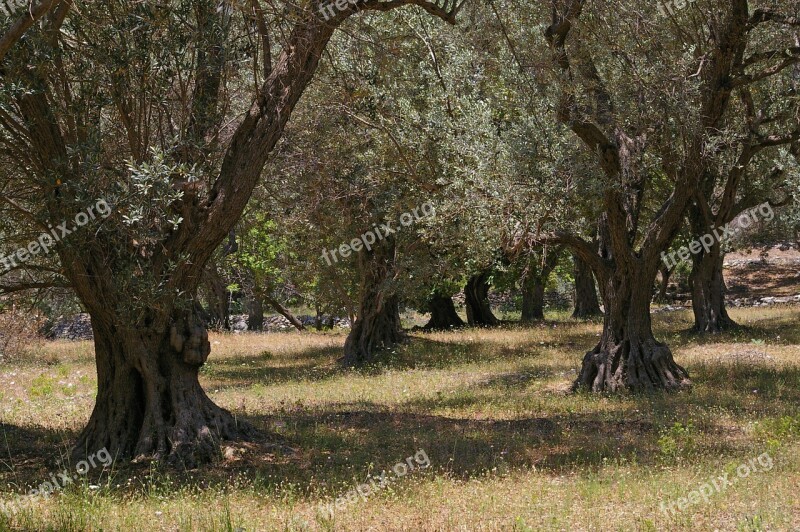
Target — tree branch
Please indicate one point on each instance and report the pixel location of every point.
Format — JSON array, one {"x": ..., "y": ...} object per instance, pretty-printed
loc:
[
  {"x": 586, "y": 250},
  {"x": 10, "y": 289},
  {"x": 18, "y": 29},
  {"x": 263, "y": 32},
  {"x": 767, "y": 15}
]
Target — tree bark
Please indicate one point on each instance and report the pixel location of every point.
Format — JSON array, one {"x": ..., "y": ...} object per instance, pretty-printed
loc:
[
  {"x": 533, "y": 299},
  {"x": 255, "y": 318},
  {"x": 149, "y": 400},
  {"x": 706, "y": 281},
  {"x": 707, "y": 285},
  {"x": 479, "y": 311},
  {"x": 285, "y": 312},
  {"x": 534, "y": 283},
  {"x": 318, "y": 319},
  {"x": 586, "y": 305},
  {"x": 443, "y": 314},
  {"x": 378, "y": 324},
  {"x": 628, "y": 355}
]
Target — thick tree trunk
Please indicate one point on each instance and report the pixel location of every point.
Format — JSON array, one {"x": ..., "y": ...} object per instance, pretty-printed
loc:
[
  {"x": 586, "y": 305},
  {"x": 476, "y": 292},
  {"x": 533, "y": 299},
  {"x": 706, "y": 281},
  {"x": 443, "y": 314},
  {"x": 149, "y": 400},
  {"x": 707, "y": 285},
  {"x": 255, "y": 316},
  {"x": 378, "y": 324},
  {"x": 628, "y": 355},
  {"x": 285, "y": 312}
]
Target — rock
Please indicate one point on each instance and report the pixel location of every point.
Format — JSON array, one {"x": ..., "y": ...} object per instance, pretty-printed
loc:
[
  {"x": 280, "y": 323},
  {"x": 77, "y": 327},
  {"x": 668, "y": 308}
]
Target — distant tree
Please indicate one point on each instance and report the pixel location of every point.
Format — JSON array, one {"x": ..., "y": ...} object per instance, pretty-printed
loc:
[
  {"x": 586, "y": 305},
  {"x": 654, "y": 139}
]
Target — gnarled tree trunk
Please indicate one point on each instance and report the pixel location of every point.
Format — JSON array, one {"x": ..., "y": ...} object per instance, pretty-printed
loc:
[
  {"x": 218, "y": 299},
  {"x": 707, "y": 285},
  {"x": 149, "y": 400},
  {"x": 706, "y": 281},
  {"x": 378, "y": 324},
  {"x": 586, "y": 305},
  {"x": 443, "y": 313},
  {"x": 628, "y": 356},
  {"x": 476, "y": 292}
]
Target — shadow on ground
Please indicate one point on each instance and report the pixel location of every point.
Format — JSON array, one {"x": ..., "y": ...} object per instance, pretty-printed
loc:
[{"x": 340, "y": 444}]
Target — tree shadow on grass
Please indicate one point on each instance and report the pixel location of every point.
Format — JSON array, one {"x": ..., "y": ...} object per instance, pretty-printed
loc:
[
  {"x": 629, "y": 430},
  {"x": 783, "y": 325},
  {"x": 316, "y": 364},
  {"x": 421, "y": 353},
  {"x": 341, "y": 443},
  {"x": 517, "y": 379},
  {"x": 342, "y": 447},
  {"x": 30, "y": 453},
  {"x": 757, "y": 390},
  {"x": 681, "y": 332},
  {"x": 435, "y": 351}
]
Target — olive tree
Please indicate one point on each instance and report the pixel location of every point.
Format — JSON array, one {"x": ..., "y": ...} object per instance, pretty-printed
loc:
[{"x": 170, "y": 111}]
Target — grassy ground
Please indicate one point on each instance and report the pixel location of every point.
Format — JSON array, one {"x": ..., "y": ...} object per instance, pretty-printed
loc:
[{"x": 507, "y": 448}]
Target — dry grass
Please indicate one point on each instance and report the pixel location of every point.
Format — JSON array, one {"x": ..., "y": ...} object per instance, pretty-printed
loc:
[{"x": 509, "y": 449}]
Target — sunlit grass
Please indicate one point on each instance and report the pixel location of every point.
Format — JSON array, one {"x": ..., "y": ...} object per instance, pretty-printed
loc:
[{"x": 509, "y": 448}]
